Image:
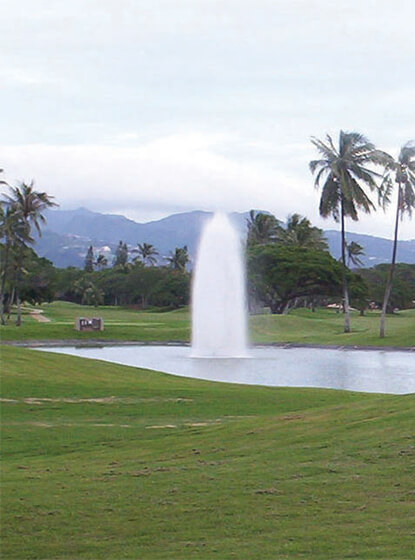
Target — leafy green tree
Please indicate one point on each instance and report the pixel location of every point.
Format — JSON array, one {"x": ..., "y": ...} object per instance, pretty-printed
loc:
[
  {"x": 66, "y": 282},
  {"x": 142, "y": 282},
  {"x": 263, "y": 228},
  {"x": 179, "y": 259},
  {"x": 89, "y": 260},
  {"x": 346, "y": 170},
  {"x": 278, "y": 275},
  {"x": 402, "y": 173},
  {"x": 156, "y": 286},
  {"x": 359, "y": 292},
  {"x": 114, "y": 284},
  {"x": 90, "y": 293},
  {"x": 39, "y": 281},
  {"x": 403, "y": 289},
  {"x": 147, "y": 253},
  {"x": 93, "y": 295},
  {"x": 173, "y": 290}
]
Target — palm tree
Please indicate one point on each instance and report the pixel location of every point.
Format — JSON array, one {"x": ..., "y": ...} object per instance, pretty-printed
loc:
[
  {"x": 147, "y": 253},
  {"x": 345, "y": 171},
  {"x": 301, "y": 233},
  {"x": 354, "y": 252},
  {"x": 30, "y": 203},
  {"x": 28, "y": 206},
  {"x": 179, "y": 259},
  {"x": 263, "y": 228},
  {"x": 402, "y": 172},
  {"x": 15, "y": 234}
]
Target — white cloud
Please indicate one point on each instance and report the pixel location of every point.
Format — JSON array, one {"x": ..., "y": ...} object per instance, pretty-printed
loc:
[
  {"x": 23, "y": 77},
  {"x": 180, "y": 172}
]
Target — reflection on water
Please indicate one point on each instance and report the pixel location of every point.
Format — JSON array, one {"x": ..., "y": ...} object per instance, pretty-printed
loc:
[{"x": 374, "y": 371}]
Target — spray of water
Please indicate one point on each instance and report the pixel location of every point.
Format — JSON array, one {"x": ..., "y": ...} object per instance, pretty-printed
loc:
[{"x": 219, "y": 317}]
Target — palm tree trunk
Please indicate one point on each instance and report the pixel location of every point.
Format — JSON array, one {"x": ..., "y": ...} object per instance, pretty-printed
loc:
[
  {"x": 392, "y": 268},
  {"x": 344, "y": 278},
  {"x": 10, "y": 300},
  {"x": 19, "y": 310},
  {"x": 3, "y": 283},
  {"x": 2, "y": 289},
  {"x": 17, "y": 290}
]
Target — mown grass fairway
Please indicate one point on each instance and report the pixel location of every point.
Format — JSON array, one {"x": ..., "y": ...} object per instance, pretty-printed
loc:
[
  {"x": 108, "y": 462},
  {"x": 302, "y": 326}
]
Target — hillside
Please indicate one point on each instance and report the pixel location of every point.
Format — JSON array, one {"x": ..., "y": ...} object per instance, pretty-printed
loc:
[{"x": 107, "y": 461}]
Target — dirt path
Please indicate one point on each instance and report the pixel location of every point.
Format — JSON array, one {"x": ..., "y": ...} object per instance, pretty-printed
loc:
[{"x": 37, "y": 314}]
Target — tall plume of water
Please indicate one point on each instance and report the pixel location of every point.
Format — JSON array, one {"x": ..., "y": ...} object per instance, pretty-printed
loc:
[{"x": 219, "y": 316}]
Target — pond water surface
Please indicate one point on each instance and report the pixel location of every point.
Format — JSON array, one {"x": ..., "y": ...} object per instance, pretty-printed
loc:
[{"x": 373, "y": 371}]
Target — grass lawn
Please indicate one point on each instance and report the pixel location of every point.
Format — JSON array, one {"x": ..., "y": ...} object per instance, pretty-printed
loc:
[
  {"x": 102, "y": 461},
  {"x": 302, "y": 326}
]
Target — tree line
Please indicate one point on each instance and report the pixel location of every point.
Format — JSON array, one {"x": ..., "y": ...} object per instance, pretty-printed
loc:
[
  {"x": 136, "y": 279},
  {"x": 145, "y": 253}
]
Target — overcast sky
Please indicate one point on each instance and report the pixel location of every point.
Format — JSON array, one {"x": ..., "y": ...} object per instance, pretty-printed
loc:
[{"x": 147, "y": 108}]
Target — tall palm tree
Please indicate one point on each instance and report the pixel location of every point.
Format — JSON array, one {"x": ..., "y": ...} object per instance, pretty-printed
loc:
[
  {"x": 15, "y": 233},
  {"x": 29, "y": 206},
  {"x": 402, "y": 172},
  {"x": 345, "y": 171},
  {"x": 147, "y": 253},
  {"x": 30, "y": 203}
]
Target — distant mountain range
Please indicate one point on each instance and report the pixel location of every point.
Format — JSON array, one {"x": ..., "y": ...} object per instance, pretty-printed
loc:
[{"x": 69, "y": 233}]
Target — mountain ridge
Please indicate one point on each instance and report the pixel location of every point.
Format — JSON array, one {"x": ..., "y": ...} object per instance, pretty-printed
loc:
[{"x": 69, "y": 233}]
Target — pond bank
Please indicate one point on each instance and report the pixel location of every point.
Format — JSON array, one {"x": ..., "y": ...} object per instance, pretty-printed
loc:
[{"x": 105, "y": 342}]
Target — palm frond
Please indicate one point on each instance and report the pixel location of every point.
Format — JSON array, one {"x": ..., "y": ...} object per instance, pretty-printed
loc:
[
  {"x": 315, "y": 164},
  {"x": 330, "y": 199},
  {"x": 385, "y": 191},
  {"x": 319, "y": 176},
  {"x": 360, "y": 198},
  {"x": 407, "y": 153},
  {"x": 325, "y": 150},
  {"x": 408, "y": 198},
  {"x": 365, "y": 175}
]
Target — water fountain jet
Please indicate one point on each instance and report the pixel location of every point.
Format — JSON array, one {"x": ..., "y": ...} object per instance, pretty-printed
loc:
[{"x": 219, "y": 316}]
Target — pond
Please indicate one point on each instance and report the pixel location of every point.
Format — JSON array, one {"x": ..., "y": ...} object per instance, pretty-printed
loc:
[{"x": 373, "y": 371}]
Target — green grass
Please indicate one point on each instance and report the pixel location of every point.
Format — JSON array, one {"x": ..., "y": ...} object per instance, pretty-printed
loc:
[
  {"x": 127, "y": 463},
  {"x": 326, "y": 327},
  {"x": 301, "y": 326},
  {"x": 120, "y": 324}
]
